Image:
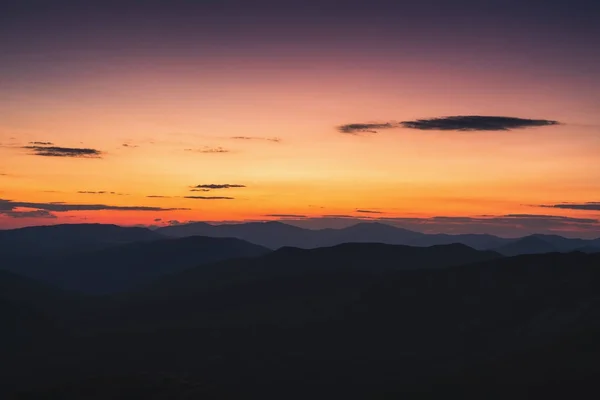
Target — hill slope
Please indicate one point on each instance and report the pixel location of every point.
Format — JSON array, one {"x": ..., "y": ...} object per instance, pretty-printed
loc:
[{"x": 121, "y": 268}]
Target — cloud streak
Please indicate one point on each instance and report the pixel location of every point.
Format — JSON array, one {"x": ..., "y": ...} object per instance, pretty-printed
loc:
[
  {"x": 28, "y": 214},
  {"x": 41, "y": 143},
  {"x": 365, "y": 127},
  {"x": 10, "y": 205},
  {"x": 475, "y": 123},
  {"x": 369, "y": 212},
  {"x": 286, "y": 215},
  {"x": 72, "y": 152},
  {"x": 451, "y": 123},
  {"x": 589, "y": 206},
  {"x": 268, "y": 139},
  {"x": 215, "y": 186},
  {"x": 208, "y": 198},
  {"x": 208, "y": 150}
]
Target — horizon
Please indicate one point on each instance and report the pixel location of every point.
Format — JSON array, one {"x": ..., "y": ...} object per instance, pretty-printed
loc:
[
  {"x": 302, "y": 224},
  {"x": 461, "y": 118}
]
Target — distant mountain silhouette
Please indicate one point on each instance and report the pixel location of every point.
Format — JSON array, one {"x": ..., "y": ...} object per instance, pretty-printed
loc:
[
  {"x": 123, "y": 267},
  {"x": 68, "y": 238},
  {"x": 527, "y": 245},
  {"x": 277, "y": 234}
]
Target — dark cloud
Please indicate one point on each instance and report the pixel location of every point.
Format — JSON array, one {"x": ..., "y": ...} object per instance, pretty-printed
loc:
[
  {"x": 268, "y": 139},
  {"x": 54, "y": 151},
  {"x": 28, "y": 214},
  {"x": 369, "y": 212},
  {"x": 207, "y": 149},
  {"x": 157, "y": 219},
  {"x": 208, "y": 198},
  {"x": 365, "y": 128},
  {"x": 41, "y": 143},
  {"x": 590, "y": 206},
  {"x": 214, "y": 186},
  {"x": 337, "y": 216},
  {"x": 286, "y": 215},
  {"x": 475, "y": 123},
  {"x": 200, "y": 190},
  {"x": 158, "y": 197},
  {"x": 129, "y": 145},
  {"x": 9, "y": 205}
]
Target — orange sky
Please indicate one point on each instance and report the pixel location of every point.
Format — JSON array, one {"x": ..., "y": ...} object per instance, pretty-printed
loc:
[{"x": 170, "y": 111}]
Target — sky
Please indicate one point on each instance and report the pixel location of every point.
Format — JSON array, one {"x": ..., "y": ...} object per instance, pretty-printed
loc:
[{"x": 439, "y": 116}]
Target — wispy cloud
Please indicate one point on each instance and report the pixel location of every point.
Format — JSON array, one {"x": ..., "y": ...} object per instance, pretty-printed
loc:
[
  {"x": 54, "y": 151},
  {"x": 208, "y": 198},
  {"x": 286, "y": 215},
  {"x": 451, "y": 123},
  {"x": 102, "y": 192},
  {"x": 41, "y": 143},
  {"x": 268, "y": 139},
  {"x": 207, "y": 149},
  {"x": 28, "y": 214},
  {"x": 369, "y": 212},
  {"x": 158, "y": 197},
  {"x": 475, "y": 123},
  {"x": 589, "y": 206},
  {"x": 365, "y": 127},
  {"x": 215, "y": 186},
  {"x": 10, "y": 205}
]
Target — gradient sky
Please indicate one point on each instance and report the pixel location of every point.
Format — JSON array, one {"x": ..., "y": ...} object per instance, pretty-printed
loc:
[{"x": 117, "y": 110}]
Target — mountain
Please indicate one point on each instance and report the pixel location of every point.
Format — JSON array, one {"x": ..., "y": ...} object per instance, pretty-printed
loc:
[
  {"x": 527, "y": 245},
  {"x": 589, "y": 249},
  {"x": 68, "y": 238},
  {"x": 357, "y": 320},
  {"x": 123, "y": 267},
  {"x": 277, "y": 234}
]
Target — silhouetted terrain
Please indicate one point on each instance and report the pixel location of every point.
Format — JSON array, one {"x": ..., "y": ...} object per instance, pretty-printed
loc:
[
  {"x": 353, "y": 320},
  {"x": 43, "y": 241},
  {"x": 124, "y": 267},
  {"x": 276, "y": 234}
]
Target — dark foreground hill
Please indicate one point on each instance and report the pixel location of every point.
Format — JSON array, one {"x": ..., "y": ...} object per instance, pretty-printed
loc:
[
  {"x": 349, "y": 321},
  {"x": 124, "y": 267}
]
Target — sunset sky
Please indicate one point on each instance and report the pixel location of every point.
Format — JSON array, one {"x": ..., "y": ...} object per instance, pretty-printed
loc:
[{"x": 316, "y": 112}]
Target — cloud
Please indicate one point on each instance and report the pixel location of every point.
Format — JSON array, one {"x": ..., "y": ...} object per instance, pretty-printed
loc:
[
  {"x": 10, "y": 205},
  {"x": 214, "y": 186},
  {"x": 207, "y": 149},
  {"x": 54, "y": 151},
  {"x": 337, "y": 216},
  {"x": 369, "y": 212},
  {"x": 41, "y": 143},
  {"x": 286, "y": 215},
  {"x": 28, "y": 214},
  {"x": 475, "y": 123},
  {"x": 365, "y": 128},
  {"x": 589, "y": 206},
  {"x": 208, "y": 198},
  {"x": 200, "y": 190},
  {"x": 158, "y": 197},
  {"x": 101, "y": 192},
  {"x": 129, "y": 145},
  {"x": 157, "y": 219},
  {"x": 268, "y": 139}
]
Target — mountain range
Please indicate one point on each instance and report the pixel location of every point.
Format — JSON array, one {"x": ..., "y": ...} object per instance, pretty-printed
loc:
[
  {"x": 277, "y": 234},
  {"x": 358, "y": 319}
]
